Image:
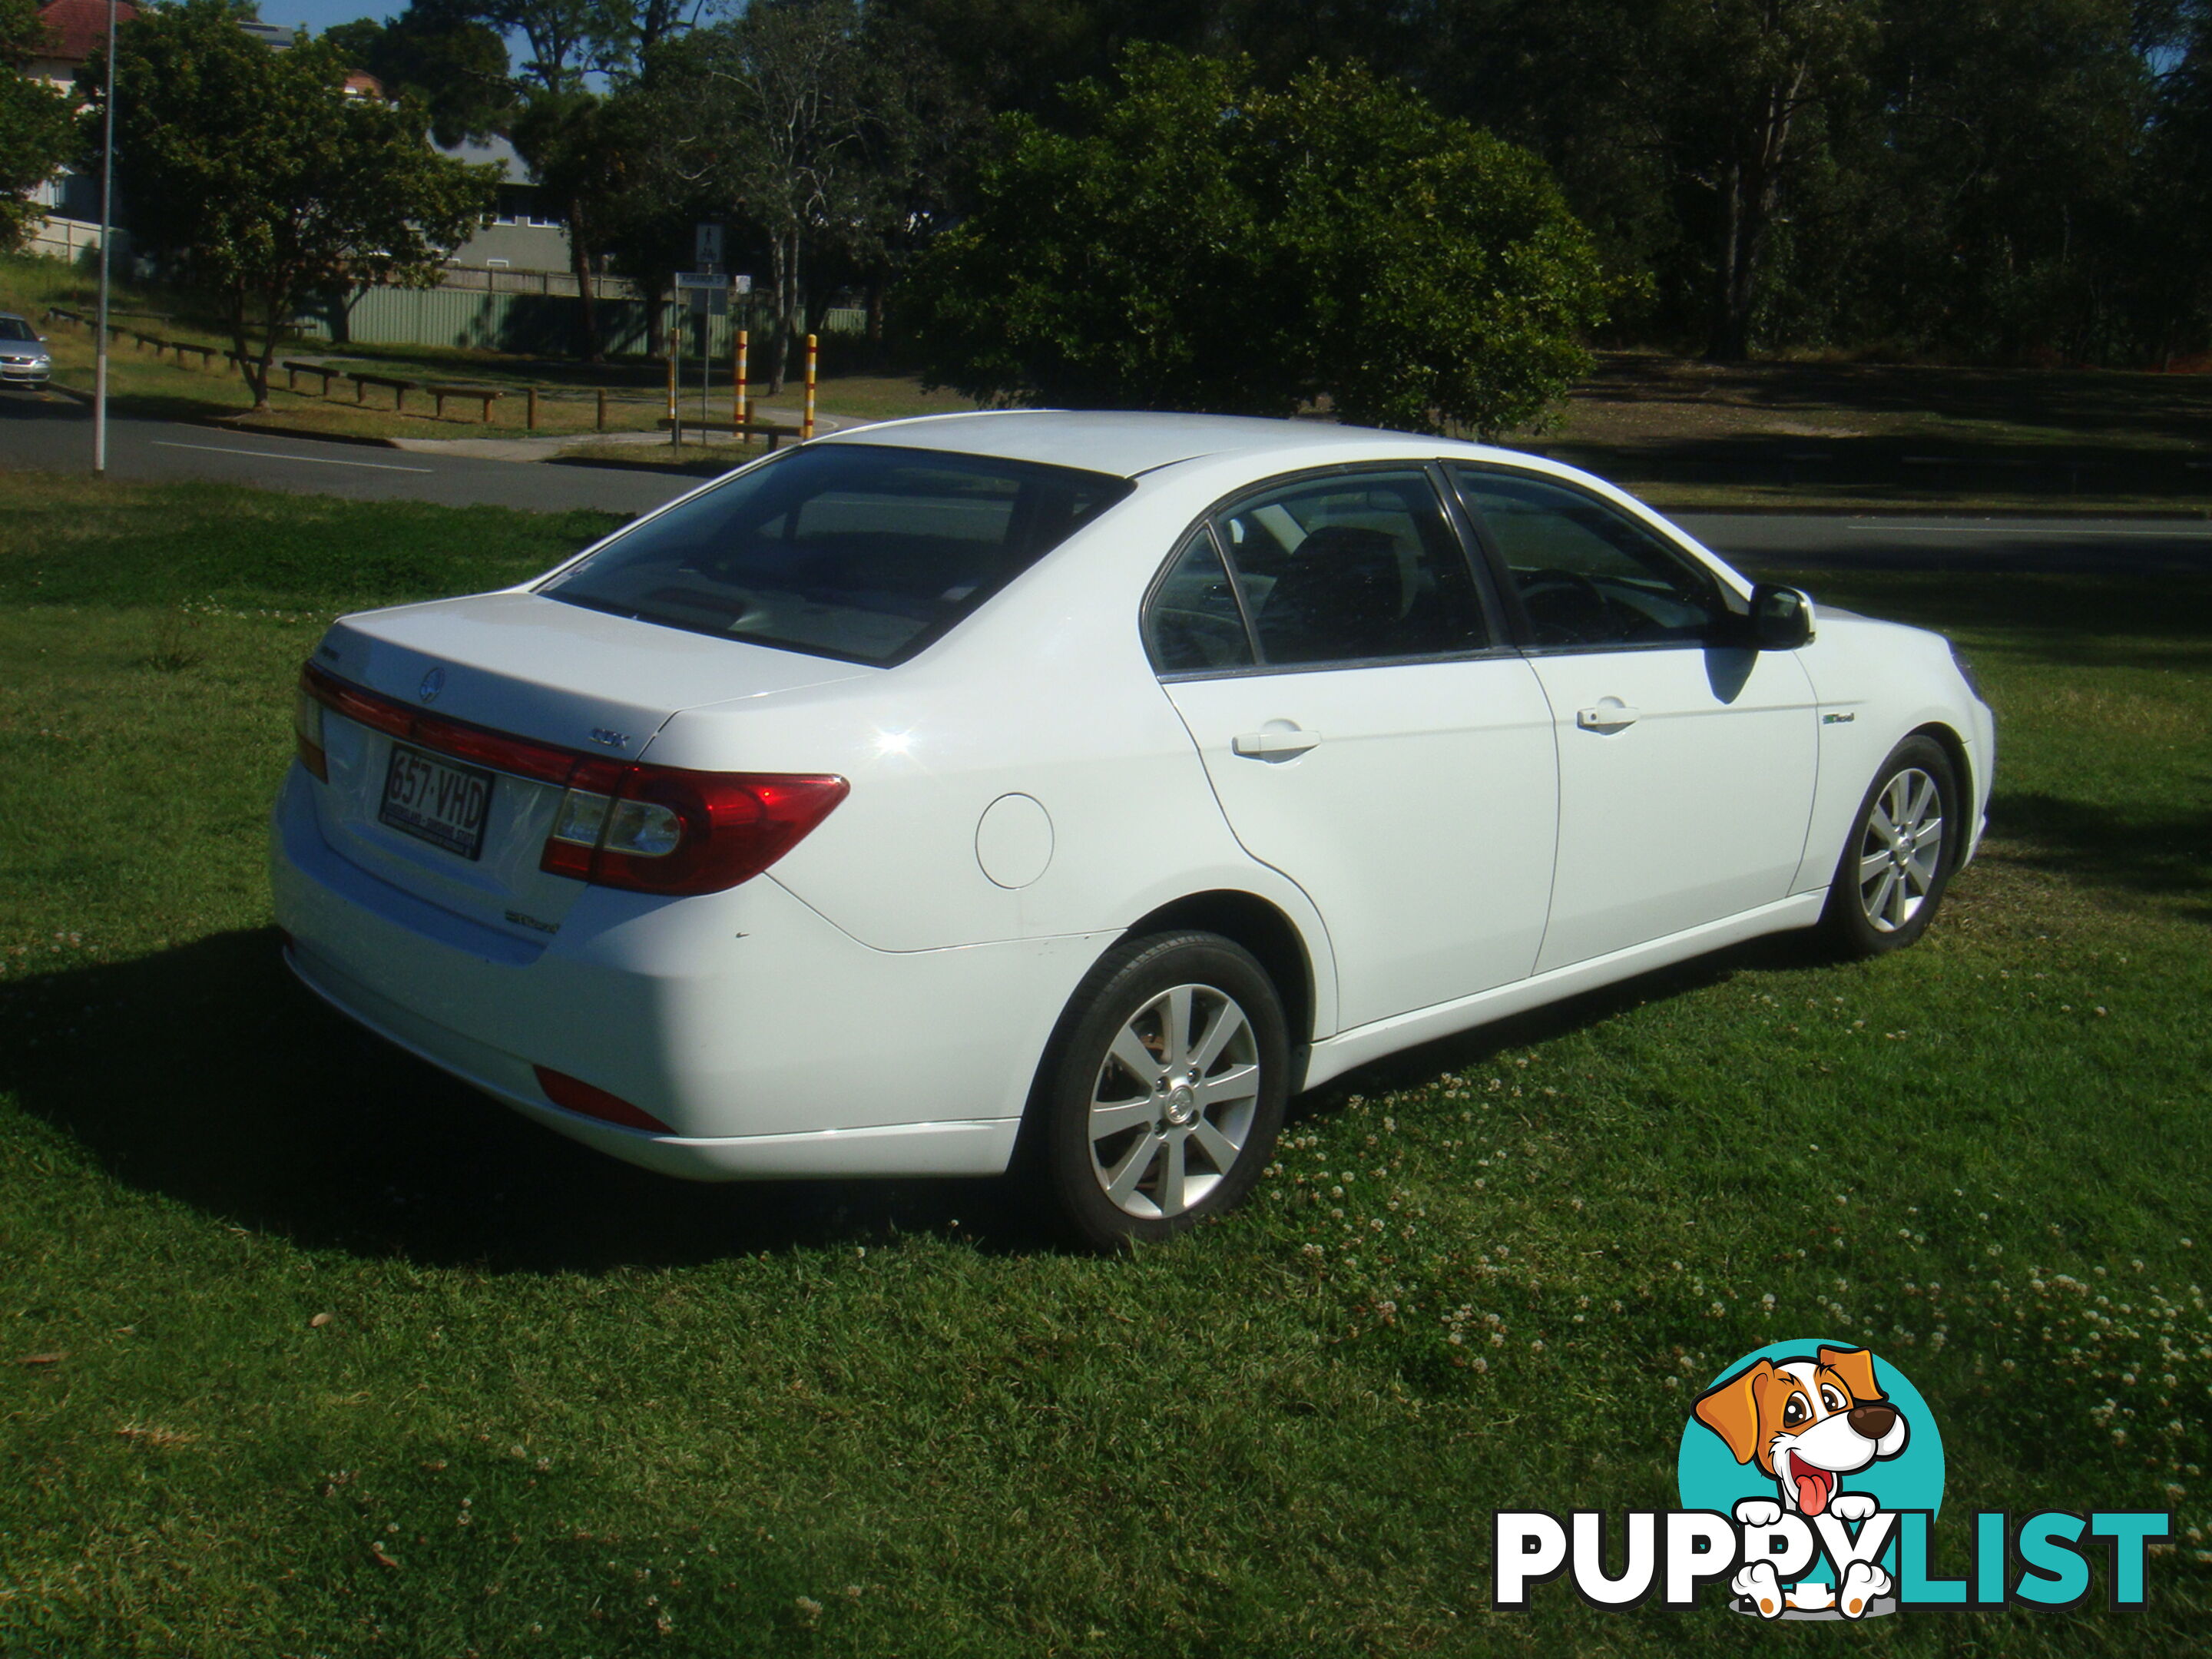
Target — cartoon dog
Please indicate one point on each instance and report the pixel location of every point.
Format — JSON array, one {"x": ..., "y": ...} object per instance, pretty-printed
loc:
[{"x": 1806, "y": 1423}]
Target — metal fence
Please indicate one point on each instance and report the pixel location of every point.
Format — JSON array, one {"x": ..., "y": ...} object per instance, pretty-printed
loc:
[{"x": 480, "y": 279}]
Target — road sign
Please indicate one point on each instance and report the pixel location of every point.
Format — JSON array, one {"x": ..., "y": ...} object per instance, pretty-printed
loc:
[
  {"x": 706, "y": 245},
  {"x": 742, "y": 284},
  {"x": 702, "y": 279}
]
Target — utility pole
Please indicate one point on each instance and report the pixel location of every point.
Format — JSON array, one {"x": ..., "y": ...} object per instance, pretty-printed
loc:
[{"x": 107, "y": 235}]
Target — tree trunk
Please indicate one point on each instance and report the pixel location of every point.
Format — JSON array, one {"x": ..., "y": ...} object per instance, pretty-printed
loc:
[
  {"x": 783, "y": 273},
  {"x": 580, "y": 261},
  {"x": 1753, "y": 199},
  {"x": 256, "y": 383},
  {"x": 1725, "y": 343},
  {"x": 267, "y": 352}
]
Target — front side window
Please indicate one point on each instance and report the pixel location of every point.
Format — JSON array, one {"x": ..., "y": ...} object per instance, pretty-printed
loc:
[
  {"x": 1354, "y": 568},
  {"x": 1586, "y": 575},
  {"x": 860, "y": 551}
]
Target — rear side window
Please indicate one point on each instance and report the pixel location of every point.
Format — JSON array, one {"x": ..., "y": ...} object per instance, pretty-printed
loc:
[
  {"x": 1195, "y": 619},
  {"x": 1356, "y": 567},
  {"x": 857, "y": 551}
]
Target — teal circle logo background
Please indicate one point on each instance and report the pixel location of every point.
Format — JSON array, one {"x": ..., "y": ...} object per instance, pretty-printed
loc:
[{"x": 1709, "y": 1477}]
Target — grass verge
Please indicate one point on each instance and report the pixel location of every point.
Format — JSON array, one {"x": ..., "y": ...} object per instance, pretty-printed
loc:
[
  {"x": 309, "y": 1350},
  {"x": 142, "y": 383}
]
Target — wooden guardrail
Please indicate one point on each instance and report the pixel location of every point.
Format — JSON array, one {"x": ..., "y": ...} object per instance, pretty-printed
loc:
[
  {"x": 484, "y": 395},
  {"x": 399, "y": 388},
  {"x": 768, "y": 430},
  {"x": 293, "y": 369},
  {"x": 139, "y": 339}
]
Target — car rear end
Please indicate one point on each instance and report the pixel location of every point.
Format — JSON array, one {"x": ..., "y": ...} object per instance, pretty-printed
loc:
[{"x": 476, "y": 855}]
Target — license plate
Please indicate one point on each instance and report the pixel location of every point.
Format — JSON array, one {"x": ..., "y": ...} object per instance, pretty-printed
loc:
[{"x": 430, "y": 798}]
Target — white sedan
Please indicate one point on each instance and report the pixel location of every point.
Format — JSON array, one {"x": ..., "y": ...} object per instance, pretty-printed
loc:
[{"x": 1081, "y": 786}]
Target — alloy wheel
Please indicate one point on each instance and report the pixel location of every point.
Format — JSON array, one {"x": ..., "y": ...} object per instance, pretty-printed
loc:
[
  {"x": 1173, "y": 1104},
  {"x": 1901, "y": 853}
]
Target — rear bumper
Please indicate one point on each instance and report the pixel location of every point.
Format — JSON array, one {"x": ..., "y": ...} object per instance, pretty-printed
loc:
[{"x": 772, "y": 1044}]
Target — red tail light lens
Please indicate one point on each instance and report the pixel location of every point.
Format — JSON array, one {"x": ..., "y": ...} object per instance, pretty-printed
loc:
[
  {"x": 649, "y": 828},
  {"x": 307, "y": 731},
  {"x": 658, "y": 829}
]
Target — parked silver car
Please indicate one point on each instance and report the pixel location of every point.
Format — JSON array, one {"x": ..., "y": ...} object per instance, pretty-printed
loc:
[{"x": 24, "y": 359}]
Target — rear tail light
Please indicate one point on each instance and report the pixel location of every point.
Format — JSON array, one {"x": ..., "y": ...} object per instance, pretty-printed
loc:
[
  {"x": 655, "y": 829},
  {"x": 307, "y": 731},
  {"x": 649, "y": 828},
  {"x": 578, "y": 1095}
]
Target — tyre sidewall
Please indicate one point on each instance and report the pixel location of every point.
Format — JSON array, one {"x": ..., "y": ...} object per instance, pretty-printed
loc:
[
  {"x": 1845, "y": 916},
  {"x": 1123, "y": 980}
]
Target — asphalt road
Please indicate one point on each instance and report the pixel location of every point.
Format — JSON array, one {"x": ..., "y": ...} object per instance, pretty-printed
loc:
[
  {"x": 1830, "y": 541},
  {"x": 54, "y": 434}
]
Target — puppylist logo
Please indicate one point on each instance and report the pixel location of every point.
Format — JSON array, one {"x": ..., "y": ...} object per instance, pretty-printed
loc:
[{"x": 1811, "y": 1474}]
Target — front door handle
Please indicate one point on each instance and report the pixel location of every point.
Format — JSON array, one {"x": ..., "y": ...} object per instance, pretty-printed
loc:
[
  {"x": 1273, "y": 745},
  {"x": 1607, "y": 716}
]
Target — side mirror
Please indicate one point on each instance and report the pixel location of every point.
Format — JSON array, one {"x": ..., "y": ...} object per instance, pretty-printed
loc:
[{"x": 1781, "y": 619}]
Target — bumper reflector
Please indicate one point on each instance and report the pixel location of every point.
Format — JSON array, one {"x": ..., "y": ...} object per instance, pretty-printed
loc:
[{"x": 577, "y": 1096}]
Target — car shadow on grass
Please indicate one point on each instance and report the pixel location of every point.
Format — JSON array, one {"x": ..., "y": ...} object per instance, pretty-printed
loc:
[
  {"x": 205, "y": 1074},
  {"x": 1417, "y": 1067}
]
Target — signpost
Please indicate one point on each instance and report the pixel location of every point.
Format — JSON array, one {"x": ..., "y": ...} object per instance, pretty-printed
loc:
[
  {"x": 709, "y": 291},
  {"x": 705, "y": 287}
]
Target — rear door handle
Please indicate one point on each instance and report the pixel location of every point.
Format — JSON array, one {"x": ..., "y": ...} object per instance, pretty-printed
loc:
[
  {"x": 1273, "y": 745},
  {"x": 1605, "y": 717}
]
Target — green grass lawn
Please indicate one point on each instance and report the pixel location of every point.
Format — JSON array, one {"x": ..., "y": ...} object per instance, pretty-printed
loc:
[{"x": 309, "y": 1351}]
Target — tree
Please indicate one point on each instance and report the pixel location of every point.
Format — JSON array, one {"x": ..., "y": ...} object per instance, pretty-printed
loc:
[
  {"x": 568, "y": 38},
  {"x": 562, "y": 135},
  {"x": 439, "y": 51},
  {"x": 1195, "y": 241},
  {"x": 2000, "y": 157},
  {"x": 824, "y": 136},
  {"x": 1766, "y": 69},
  {"x": 770, "y": 119},
  {"x": 37, "y": 131},
  {"x": 264, "y": 182},
  {"x": 2174, "y": 188}
]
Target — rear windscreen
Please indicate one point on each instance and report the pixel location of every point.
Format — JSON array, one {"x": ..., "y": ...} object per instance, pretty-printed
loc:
[{"x": 850, "y": 550}]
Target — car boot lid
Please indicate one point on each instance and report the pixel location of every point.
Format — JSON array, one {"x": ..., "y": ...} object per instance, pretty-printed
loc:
[{"x": 534, "y": 667}]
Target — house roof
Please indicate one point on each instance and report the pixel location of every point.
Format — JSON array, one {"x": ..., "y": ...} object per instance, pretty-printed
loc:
[
  {"x": 496, "y": 149},
  {"x": 74, "y": 29}
]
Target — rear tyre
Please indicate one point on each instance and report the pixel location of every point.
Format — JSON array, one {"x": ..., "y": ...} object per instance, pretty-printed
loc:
[
  {"x": 1903, "y": 846},
  {"x": 1165, "y": 1090}
]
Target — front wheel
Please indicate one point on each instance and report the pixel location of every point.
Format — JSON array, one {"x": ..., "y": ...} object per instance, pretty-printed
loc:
[
  {"x": 1904, "y": 845},
  {"x": 1166, "y": 1091}
]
